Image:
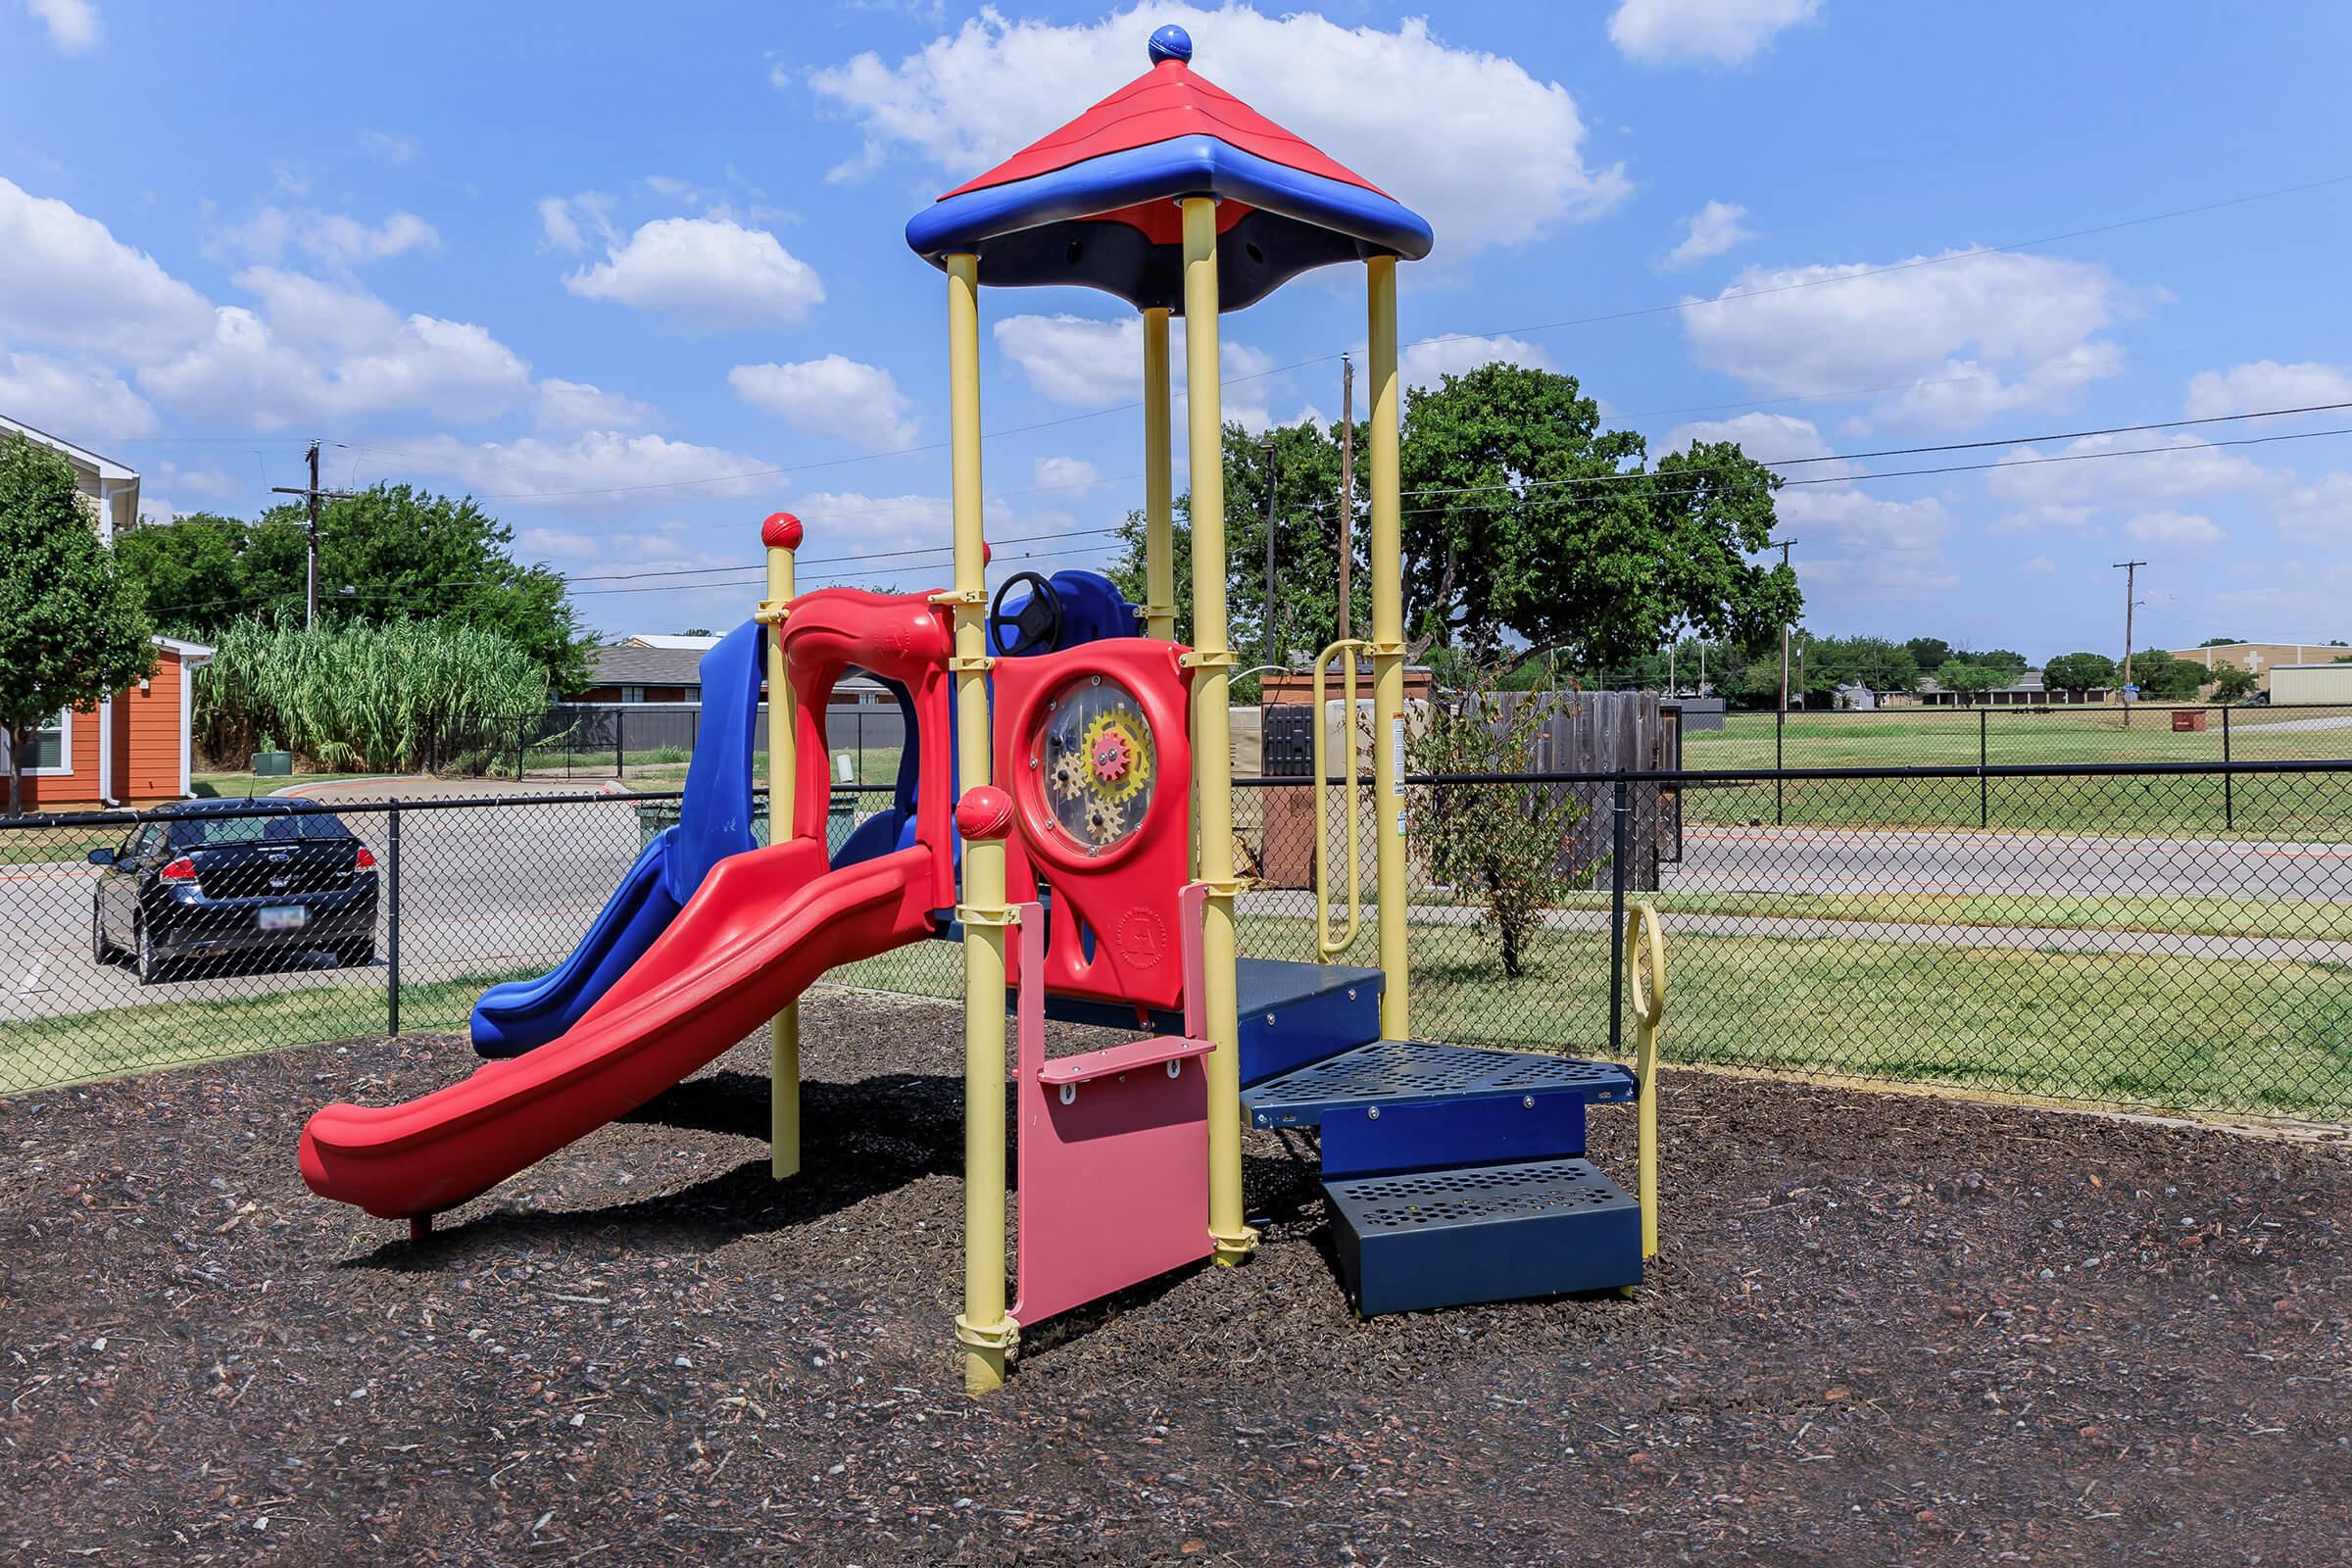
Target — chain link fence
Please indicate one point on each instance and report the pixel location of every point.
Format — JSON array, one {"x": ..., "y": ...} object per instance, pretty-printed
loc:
[
  {"x": 1996, "y": 736},
  {"x": 2169, "y": 935}
]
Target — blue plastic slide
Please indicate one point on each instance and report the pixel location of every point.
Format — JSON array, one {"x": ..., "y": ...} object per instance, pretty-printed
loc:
[{"x": 715, "y": 821}]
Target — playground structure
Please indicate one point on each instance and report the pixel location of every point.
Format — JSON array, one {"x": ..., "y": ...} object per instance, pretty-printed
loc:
[{"x": 1064, "y": 809}]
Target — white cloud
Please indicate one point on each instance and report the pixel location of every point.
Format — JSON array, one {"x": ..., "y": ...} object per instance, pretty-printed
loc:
[
  {"x": 832, "y": 396},
  {"x": 391, "y": 148},
  {"x": 2265, "y": 384},
  {"x": 853, "y": 522},
  {"x": 560, "y": 543},
  {"x": 2320, "y": 514},
  {"x": 565, "y": 407},
  {"x": 2173, "y": 528},
  {"x": 1858, "y": 548},
  {"x": 603, "y": 468},
  {"x": 2038, "y": 565},
  {"x": 82, "y": 403},
  {"x": 1428, "y": 364},
  {"x": 1710, "y": 231},
  {"x": 1766, "y": 437},
  {"x": 73, "y": 23},
  {"x": 1957, "y": 339},
  {"x": 1065, "y": 473},
  {"x": 1077, "y": 360},
  {"x": 333, "y": 238},
  {"x": 70, "y": 284},
  {"x": 1489, "y": 153},
  {"x": 1715, "y": 32},
  {"x": 1097, "y": 365},
  {"x": 708, "y": 272},
  {"x": 315, "y": 351},
  {"x": 2165, "y": 471}
]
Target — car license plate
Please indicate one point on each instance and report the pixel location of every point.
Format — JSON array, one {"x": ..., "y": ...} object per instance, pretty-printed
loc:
[{"x": 284, "y": 917}]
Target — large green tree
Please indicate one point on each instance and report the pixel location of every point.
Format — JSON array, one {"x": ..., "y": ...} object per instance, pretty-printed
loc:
[
  {"x": 400, "y": 553},
  {"x": 71, "y": 632},
  {"x": 1526, "y": 519},
  {"x": 2079, "y": 672},
  {"x": 1529, "y": 532}
]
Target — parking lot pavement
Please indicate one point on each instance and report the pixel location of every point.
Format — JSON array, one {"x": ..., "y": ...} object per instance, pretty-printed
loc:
[{"x": 481, "y": 889}]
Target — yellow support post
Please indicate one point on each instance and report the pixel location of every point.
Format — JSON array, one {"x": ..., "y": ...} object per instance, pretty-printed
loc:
[
  {"x": 1388, "y": 647},
  {"x": 983, "y": 1328},
  {"x": 781, "y": 534},
  {"x": 1160, "y": 457},
  {"x": 1212, "y": 752},
  {"x": 1645, "y": 1000}
]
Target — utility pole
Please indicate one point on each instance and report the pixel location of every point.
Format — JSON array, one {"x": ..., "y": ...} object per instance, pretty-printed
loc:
[
  {"x": 2131, "y": 571},
  {"x": 312, "y": 496},
  {"x": 1272, "y": 652},
  {"x": 1346, "y": 491},
  {"x": 1783, "y": 545}
]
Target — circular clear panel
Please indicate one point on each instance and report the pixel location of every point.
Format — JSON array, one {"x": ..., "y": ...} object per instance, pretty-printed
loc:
[{"x": 1095, "y": 764}]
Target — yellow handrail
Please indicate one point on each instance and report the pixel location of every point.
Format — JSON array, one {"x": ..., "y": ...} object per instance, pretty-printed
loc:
[
  {"x": 1646, "y": 999},
  {"x": 1325, "y": 947}
]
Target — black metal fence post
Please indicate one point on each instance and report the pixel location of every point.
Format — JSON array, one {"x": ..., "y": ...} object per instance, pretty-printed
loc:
[
  {"x": 1984, "y": 785},
  {"x": 2229, "y": 784},
  {"x": 620, "y": 746},
  {"x": 392, "y": 922},
  {"x": 1617, "y": 814}
]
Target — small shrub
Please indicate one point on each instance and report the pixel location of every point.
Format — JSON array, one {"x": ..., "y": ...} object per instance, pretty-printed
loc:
[{"x": 1500, "y": 846}]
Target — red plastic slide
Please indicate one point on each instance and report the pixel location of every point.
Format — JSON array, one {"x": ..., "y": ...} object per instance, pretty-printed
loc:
[{"x": 763, "y": 927}]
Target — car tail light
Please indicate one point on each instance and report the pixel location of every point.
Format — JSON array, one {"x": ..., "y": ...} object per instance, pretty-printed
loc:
[
  {"x": 365, "y": 861},
  {"x": 182, "y": 869}
]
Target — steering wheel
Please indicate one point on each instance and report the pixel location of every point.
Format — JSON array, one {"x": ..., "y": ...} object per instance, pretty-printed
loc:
[{"x": 1037, "y": 623}]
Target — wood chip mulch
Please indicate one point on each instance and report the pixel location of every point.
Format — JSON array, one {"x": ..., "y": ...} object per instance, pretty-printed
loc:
[{"x": 1885, "y": 1330}]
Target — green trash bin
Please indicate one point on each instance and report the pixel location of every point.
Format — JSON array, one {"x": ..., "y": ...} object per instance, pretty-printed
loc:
[
  {"x": 841, "y": 819},
  {"x": 652, "y": 818}
]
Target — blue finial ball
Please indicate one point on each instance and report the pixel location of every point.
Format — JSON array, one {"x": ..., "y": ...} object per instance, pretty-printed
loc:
[{"x": 1172, "y": 42}]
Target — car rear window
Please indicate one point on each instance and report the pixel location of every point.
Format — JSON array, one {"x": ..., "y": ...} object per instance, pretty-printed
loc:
[{"x": 209, "y": 831}]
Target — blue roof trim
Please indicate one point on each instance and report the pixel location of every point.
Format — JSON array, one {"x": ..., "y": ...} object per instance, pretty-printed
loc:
[{"x": 1188, "y": 166}]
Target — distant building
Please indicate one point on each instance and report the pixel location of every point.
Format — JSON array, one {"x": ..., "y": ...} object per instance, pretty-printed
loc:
[
  {"x": 133, "y": 748},
  {"x": 2313, "y": 684},
  {"x": 2261, "y": 658},
  {"x": 635, "y": 670},
  {"x": 2026, "y": 691},
  {"x": 669, "y": 641}
]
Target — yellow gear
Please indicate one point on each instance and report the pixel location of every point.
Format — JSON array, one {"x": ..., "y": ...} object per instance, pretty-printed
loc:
[{"x": 1128, "y": 725}]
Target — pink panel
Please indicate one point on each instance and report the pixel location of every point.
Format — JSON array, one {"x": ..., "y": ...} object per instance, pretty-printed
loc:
[{"x": 1113, "y": 1183}]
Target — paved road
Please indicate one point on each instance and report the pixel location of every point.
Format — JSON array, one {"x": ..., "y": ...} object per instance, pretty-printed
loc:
[{"x": 1809, "y": 859}]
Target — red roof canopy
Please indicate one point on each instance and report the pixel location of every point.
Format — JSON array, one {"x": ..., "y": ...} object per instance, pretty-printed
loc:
[{"x": 1165, "y": 102}]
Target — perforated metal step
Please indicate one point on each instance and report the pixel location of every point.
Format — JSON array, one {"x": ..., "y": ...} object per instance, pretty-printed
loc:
[
  {"x": 1482, "y": 1233},
  {"x": 1388, "y": 1073}
]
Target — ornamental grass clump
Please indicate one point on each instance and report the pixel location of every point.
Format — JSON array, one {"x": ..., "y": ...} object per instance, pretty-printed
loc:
[{"x": 397, "y": 696}]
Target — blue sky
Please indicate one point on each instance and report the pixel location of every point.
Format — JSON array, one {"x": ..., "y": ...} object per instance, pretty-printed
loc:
[{"x": 607, "y": 268}]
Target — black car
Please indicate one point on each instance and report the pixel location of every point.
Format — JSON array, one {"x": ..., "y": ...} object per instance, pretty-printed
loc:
[{"x": 215, "y": 878}]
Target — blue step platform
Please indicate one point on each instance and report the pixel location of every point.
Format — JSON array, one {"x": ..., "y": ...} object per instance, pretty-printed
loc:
[{"x": 1482, "y": 1233}]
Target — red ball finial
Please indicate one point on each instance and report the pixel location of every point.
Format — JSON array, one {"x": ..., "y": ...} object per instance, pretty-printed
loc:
[
  {"x": 984, "y": 812},
  {"x": 781, "y": 532},
  {"x": 986, "y": 555}
]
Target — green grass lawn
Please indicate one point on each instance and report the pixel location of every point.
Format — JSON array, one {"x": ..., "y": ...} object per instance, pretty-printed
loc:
[
  {"x": 2157, "y": 1030},
  {"x": 2105, "y": 1028},
  {"x": 43, "y": 1052},
  {"x": 2293, "y": 919}
]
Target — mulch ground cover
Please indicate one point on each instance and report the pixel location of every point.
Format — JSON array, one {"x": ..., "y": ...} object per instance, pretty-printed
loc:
[{"x": 1884, "y": 1330}]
